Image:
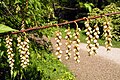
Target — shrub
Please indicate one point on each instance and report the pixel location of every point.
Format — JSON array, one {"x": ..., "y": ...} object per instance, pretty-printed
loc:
[
  {"x": 43, "y": 65},
  {"x": 115, "y": 20}
]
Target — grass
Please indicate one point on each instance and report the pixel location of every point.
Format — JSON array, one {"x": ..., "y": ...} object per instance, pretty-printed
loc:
[{"x": 116, "y": 44}]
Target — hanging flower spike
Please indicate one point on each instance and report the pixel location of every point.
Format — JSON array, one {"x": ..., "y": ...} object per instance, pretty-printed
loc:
[
  {"x": 10, "y": 51},
  {"x": 58, "y": 38},
  {"x": 68, "y": 43},
  {"x": 24, "y": 51},
  {"x": 89, "y": 37},
  {"x": 107, "y": 34},
  {"x": 76, "y": 43},
  {"x": 96, "y": 37}
]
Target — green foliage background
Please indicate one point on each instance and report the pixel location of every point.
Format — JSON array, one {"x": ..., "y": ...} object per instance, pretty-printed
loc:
[
  {"x": 43, "y": 65},
  {"x": 114, "y": 19},
  {"x": 34, "y": 13}
]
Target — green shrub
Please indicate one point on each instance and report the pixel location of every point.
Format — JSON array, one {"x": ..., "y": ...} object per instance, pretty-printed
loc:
[
  {"x": 49, "y": 67},
  {"x": 115, "y": 19},
  {"x": 43, "y": 65}
]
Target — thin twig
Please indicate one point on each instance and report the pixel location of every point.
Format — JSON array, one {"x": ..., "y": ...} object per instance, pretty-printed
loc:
[
  {"x": 54, "y": 25},
  {"x": 8, "y": 11}
]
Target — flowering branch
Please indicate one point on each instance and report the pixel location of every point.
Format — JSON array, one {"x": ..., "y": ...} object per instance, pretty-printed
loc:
[{"x": 43, "y": 27}]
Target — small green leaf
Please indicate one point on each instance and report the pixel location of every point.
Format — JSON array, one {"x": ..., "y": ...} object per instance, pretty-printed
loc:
[
  {"x": 1, "y": 54},
  {"x": 4, "y": 28},
  {"x": 14, "y": 74},
  {"x": 88, "y": 6}
]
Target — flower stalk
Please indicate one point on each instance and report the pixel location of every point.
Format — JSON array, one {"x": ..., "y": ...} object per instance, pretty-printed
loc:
[
  {"x": 24, "y": 51},
  {"x": 58, "y": 38},
  {"x": 76, "y": 43},
  {"x": 107, "y": 34},
  {"x": 10, "y": 52},
  {"x": 95, "y": 38},
  {"x": 89, "y": 38},
  {"x": 68, "y": 43}
]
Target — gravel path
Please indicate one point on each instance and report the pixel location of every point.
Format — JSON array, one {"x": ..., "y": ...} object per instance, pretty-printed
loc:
[
  {"x": 103, "y": 66},
  {"x": 113, "y": 55}
]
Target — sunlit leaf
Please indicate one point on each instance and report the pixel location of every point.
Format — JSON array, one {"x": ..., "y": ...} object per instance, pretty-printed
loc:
[
  {"x": 1, "y": 54},
  {"x": 4, "y": 28},
  {"x": 89, "y": 6}
]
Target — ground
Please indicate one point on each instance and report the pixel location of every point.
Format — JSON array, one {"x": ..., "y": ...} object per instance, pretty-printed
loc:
[{"x": 102, "y": 66}]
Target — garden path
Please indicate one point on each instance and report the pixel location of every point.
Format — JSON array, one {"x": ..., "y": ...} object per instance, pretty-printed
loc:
[{"x": 102, "y": 66}]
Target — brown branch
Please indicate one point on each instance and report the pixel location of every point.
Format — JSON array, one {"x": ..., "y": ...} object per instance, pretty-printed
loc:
[
  {"x": 43, "y": 27},
  {"x": 69, "y": 8}
]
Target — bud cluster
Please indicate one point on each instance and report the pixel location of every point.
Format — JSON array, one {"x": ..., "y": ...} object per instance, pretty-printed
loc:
[
  {"x": 68, "y": 43},
  {"x": 108, "y": 36},
  {"x": 89, "y": 38},
  {"x": 76, "y": 43},
  {"x": 58, "y": 44},
  {"x": 96, "y": 37},
  {"x": 24, "y": 52},
  {"x": 10, "y": 51}
]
